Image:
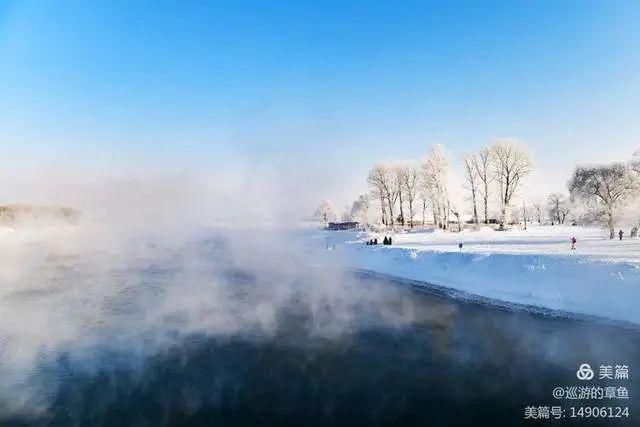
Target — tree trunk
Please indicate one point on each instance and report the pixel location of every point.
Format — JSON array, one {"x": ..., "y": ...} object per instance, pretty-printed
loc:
[
  {"x": 486, "y": 209},
  {"x": 446, "y": 216},
  {"x": 506, "y": 190},
  {"x": 391, "y": 210},
  {"x": 475, "y": 208},
  {"x": 612, "y": 233},
  {"x": 410, "y": 213},
  {"x": 401, "y": 209},
  {"x": 436, "y": 214}
]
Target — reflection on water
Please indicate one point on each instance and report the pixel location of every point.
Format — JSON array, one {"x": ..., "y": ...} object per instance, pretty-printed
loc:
[{"x": 398, "y": 357}]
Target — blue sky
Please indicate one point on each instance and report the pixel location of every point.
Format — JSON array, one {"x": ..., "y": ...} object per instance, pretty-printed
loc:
[{"x": 196, "y": 84}]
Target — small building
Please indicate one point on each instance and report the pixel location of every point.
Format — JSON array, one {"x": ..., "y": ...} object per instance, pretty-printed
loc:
[{"x": 345, "y": 225}]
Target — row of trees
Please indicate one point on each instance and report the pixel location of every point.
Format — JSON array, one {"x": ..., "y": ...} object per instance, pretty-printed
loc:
[
  {"x": 404, "y": 190},
  {"x": 606, "y": 190},
  {"x": 407, "y": 194}
]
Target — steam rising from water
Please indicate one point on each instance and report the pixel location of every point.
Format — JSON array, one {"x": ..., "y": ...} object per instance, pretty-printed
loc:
[
  {"x": 153, "y": 261},
  {"x": 81, "y": 292}
]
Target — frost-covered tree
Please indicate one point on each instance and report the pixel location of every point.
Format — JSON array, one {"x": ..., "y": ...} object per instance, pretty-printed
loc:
[
  {"x": 456, "y": 214},
  {"x": 382, "y": 181},
  {"x": 325, "y": 212},
  {"x": 605, "y": 189},
  {"x": 399, "y": 178},
  {"x": 423, "y": 192},
  {"x": 558, "y": 206},
  {"x": 511, "y": 163},
  {"x": 524, "y": 214},
  {"x": 634, "y": 164},
  {"x": 632, "y": 214},
  {"x": 409, "y": 180},
  {"x": 482, "y": 164},
  {"x": 537, "y": 206},
  {"x": 429, "y": 196},
  {"x": 346, "y": 214},
  {"x": 514, "y": 215},
  {"x": 360, "y": 209},
  {"x": 471, "y": 181},
  {"x": 435, "y": 171}
]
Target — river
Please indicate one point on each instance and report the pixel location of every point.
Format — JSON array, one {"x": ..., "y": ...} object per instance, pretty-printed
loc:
[{"x": 359, "y": 351}]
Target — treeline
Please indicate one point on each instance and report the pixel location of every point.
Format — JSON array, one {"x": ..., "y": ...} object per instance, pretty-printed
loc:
[
  {"x": 413, "y": 194},
  {"x": 15, "y": 213}
]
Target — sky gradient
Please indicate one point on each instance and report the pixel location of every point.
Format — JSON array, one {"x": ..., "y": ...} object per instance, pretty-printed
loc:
[{"x": 325, "y": 88}]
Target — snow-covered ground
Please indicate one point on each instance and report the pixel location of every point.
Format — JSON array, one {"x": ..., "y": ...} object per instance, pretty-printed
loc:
[
  {"x": 545, "y": 240},
  {"x": 534, "y": 267}
]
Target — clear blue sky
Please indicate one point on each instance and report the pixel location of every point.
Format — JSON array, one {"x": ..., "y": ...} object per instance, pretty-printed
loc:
[{"x": 195, "y": 84}]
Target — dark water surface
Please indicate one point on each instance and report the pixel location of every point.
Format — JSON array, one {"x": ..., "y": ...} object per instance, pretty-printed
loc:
[{"x": 454, "y": 363}]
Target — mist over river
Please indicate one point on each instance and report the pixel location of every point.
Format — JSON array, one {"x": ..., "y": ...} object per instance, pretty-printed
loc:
[{"x": 241, "y": 329}]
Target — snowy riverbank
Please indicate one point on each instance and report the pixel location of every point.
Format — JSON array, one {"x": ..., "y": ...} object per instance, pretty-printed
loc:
[{"x": 534, "y": 267}]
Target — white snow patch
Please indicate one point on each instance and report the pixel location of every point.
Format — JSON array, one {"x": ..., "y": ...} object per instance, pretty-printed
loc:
[{"x": 534, "y": 267}]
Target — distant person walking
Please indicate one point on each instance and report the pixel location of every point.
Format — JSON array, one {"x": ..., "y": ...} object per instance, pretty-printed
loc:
[
  {"x": 573, "y": 243},
  {"x": 620, "y": 234}
]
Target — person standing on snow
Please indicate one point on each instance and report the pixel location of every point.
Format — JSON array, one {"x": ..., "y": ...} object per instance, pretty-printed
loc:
[
  {"x": 620, "y": 234},
  {"x": 573, "y": 243}
]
